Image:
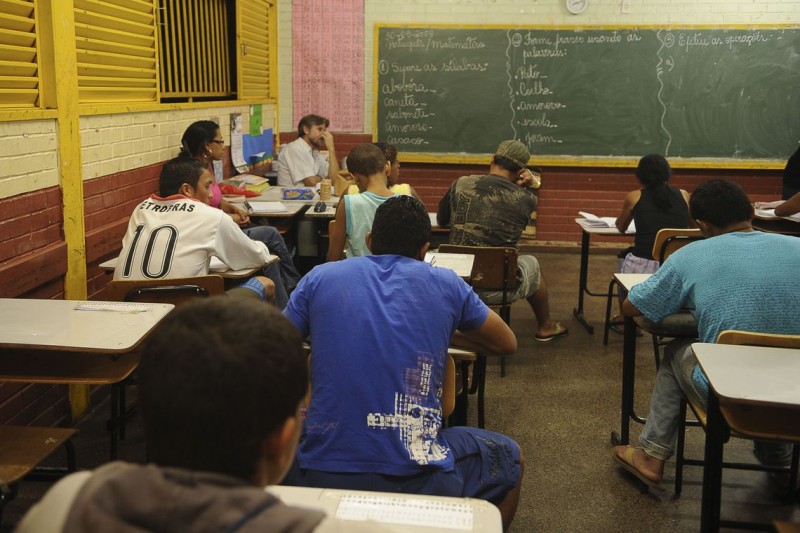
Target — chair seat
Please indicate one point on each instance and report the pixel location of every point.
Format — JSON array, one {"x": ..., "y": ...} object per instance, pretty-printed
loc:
[
  {"x": 680, "y": 324},
  {"x": 23, "y": 448}
]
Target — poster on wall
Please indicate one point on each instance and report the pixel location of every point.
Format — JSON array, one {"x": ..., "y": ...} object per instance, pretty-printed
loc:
[
  {"x": 328, "y": 71},
  {"x": 237, "y": 155}
]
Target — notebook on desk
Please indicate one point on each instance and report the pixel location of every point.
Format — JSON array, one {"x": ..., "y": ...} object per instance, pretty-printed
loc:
[
  {"x": 397, "y": 512},
  {"x": 461, "y": 264},
  {"x": 593, "y": 221}
]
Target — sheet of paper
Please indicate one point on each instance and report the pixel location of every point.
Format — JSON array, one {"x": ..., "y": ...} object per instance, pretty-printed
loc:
[
  {"x": 237, "y": 152},
  {"x": 267, "y": 207},
  {"x": 461, "y": 264},
  {"x": 595, "y": 220},
  {"x": 408, "y": 511}
]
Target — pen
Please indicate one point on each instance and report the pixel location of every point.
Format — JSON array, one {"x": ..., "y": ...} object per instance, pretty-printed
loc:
[{"x": 248, "y": 207}]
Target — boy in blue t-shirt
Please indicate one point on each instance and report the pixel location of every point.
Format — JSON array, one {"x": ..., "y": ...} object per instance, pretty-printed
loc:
[
  {"x": 727, "y": 282},
  {"x": 380, "y": 328}
]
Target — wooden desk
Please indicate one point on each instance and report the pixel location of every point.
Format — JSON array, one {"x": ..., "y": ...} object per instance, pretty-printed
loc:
[
  {"x": 773, "y": 224},
  {"x": 753, "y": 391},
  {"x": 216, "y": 267},
  {"x": 628, "y": 364},
  {"x": 586, "y": 235},
  {"x": 399, "y": 513},
  {"x": 50, "y": 341}
]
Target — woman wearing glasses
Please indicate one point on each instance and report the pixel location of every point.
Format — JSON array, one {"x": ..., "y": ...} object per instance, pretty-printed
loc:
[{"x": 203, "y": 141}]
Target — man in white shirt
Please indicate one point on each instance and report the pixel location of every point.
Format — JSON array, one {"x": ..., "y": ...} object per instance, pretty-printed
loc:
[
  {"x": 174, "y": 234},
  {"x": 300, "y": 162}
]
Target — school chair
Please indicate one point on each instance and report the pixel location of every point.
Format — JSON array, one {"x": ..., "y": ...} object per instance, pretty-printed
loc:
[
  {"x": 23, "y": 449},
  {"x": 454, "y": 394},
  {"x": 166, "y": 290},
  {"x": 494, "y": 269},
  {"x": 747, "y": 339},
  {"x": 680, "y": 324}
]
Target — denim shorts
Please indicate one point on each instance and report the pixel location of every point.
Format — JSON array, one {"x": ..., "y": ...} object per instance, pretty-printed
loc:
[{"x": 487, "y": 467}]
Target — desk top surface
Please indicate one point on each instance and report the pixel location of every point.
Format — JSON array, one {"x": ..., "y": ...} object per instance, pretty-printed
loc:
[
  {"x": 107, "y": 327},
  {"x": 397, "y": 512},
  {"x": 629, "y": 280},
  {"x": 751, "y": 374},
  {"x": 275, "y": 194},
  {"x": 600, "y": 230},
  {"x": 215, "y": 267}
]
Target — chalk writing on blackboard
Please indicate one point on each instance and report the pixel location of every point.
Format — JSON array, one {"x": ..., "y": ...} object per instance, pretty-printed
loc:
[{"x": 683, "y": 92}]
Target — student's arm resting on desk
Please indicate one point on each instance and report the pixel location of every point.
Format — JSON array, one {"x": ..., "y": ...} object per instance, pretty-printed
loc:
[
  {"x": 626, "y": 215},
  {"x": 236, "y": 249},
  {"x": 789, "y": 207},
  {"x": 338, "y": 237},
  {"x": 493, "y": 337},
  {"x": 661, "y": 295},
  {"x": 238, "y": 215}
]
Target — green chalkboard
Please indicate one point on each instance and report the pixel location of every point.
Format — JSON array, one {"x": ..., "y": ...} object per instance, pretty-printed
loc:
[{"x": 580, "y": 94}]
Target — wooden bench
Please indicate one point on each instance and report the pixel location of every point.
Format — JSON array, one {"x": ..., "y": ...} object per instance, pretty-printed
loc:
[{"x": 23, "y": 449}]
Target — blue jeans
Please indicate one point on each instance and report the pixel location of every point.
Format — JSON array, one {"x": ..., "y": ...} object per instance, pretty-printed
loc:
[
  {"x": 284, "y": 274},
  {"x": 674, "y": 379}
]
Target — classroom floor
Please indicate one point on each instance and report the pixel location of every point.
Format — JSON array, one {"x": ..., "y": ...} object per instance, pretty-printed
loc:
[{"x": 560, "y": 401}]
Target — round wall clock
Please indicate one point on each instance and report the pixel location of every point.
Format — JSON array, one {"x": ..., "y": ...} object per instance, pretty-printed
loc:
[{"x": 576, "y": 7}]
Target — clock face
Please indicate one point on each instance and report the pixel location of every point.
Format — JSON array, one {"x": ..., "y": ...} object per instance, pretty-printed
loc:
[{"x": 576, "y": 6}]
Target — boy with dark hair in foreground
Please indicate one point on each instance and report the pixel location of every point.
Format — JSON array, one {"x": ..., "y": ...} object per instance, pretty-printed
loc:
[{"x": 220, "y": 400}]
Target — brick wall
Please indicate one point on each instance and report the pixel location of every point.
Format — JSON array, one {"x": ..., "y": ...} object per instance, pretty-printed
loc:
[{"x": 565, "y": 190}]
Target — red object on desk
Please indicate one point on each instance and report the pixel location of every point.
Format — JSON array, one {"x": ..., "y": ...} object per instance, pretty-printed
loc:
[{"x": 227, "y": 188}]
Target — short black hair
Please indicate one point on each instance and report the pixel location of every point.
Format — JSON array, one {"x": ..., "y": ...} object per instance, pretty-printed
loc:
[
  {"x": 197, "y": 136},
  {"x": 311, "y": 120},
  {"x": 720, "y": 203},
  {"x": 505, "y": 163},
  {"x": 401, "y": 226},
  {"x": 178, "y": 171},
  {"x": 366, "y": 160},
  {"x": 389, "y": 151},
  {"x": 213, "y": 386}
]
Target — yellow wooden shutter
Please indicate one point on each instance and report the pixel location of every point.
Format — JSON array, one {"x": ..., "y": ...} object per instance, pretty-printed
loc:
[
  {"x": 194, "y": 49},
  {"x": 19, "y": 69},
  {"x": 116, "y": 48},
  {"x": 254, "y": 48}
]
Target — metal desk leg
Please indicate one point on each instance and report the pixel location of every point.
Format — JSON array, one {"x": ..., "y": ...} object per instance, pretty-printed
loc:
[
  {"x": 712, "y": 468},
  {"x": 582, "y": 282},
  {"x": 628, "y": 381}
]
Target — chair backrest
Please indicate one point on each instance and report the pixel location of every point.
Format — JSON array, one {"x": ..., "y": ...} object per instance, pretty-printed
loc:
[
  {"x": 747, "y": 338},
  {"x": 168, "y": 290},
  {"x": 669, "y": 240},
  {"x": 449, "y": 387},
  {"x": 494, "y": 269}
]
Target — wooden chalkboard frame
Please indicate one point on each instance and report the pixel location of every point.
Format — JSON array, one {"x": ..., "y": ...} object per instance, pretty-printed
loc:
[{"x": 577, "y": 160}]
